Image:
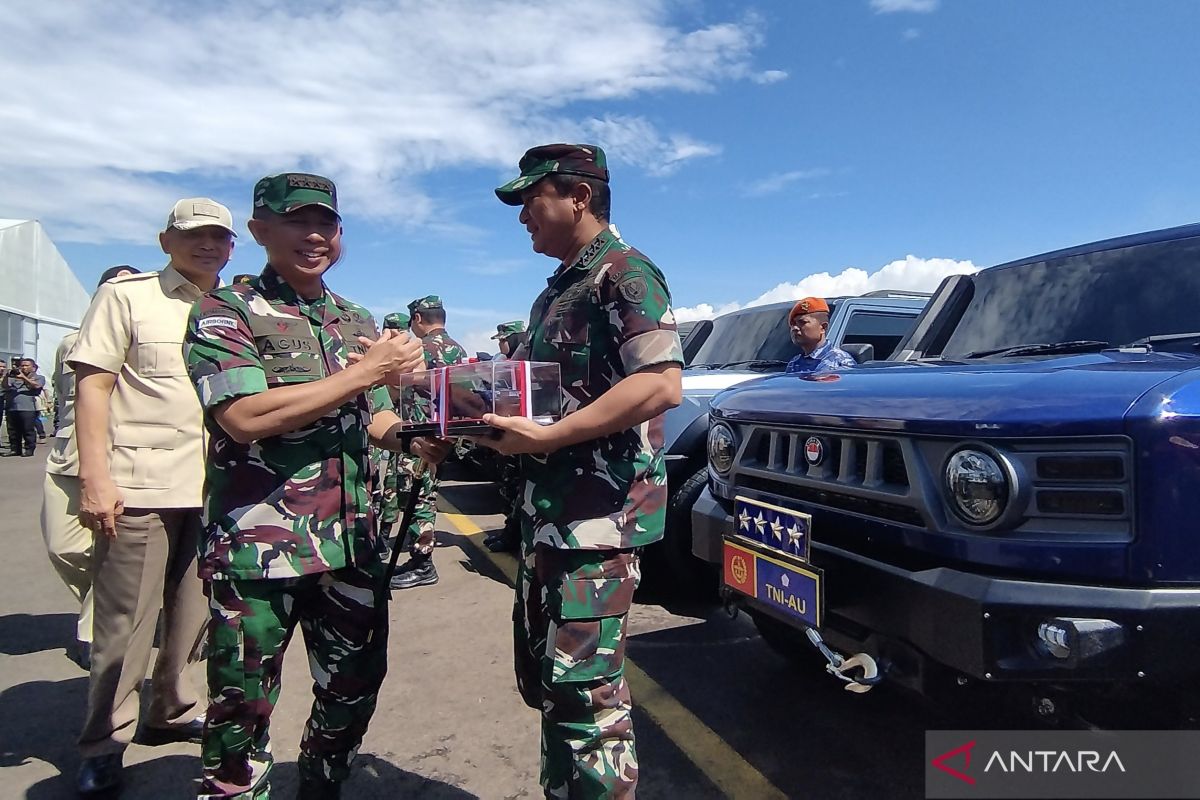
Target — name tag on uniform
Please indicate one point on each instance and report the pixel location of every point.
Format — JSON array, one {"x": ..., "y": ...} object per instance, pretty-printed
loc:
[{"x": 274, "y": 345}]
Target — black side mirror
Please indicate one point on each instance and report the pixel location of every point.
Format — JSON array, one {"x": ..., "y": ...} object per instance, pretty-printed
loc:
[{"x": 860, "y": 351}]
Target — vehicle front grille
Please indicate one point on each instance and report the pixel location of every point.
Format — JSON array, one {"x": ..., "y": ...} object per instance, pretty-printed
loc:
[
  {"x": 1078, "y": 489},
  {"x": 860, "y": 473}
]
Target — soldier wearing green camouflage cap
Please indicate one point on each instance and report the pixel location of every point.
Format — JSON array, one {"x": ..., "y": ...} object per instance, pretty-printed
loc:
[
  {"x": 429, "y": 323},
  {"x": 396, "y": 321},
  {"x": 595, "y": 481},
  {"x": 509, "y": 328},
  {"x": 397, "y": 480},
  {"x": 511, "y": 335},
  {"x": 292, "y": 380}
]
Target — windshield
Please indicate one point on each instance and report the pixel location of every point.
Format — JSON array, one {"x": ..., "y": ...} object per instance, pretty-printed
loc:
[
  {"x": 749, "y": 336},
  {"x": 1116, "y": 296}
]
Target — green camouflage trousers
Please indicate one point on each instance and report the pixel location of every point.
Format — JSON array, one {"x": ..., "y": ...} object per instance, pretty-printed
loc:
[
  {"x": 399, "y": 480},
  {"x": 569, "y": 620},
  {"x": 250, "y": 626}
]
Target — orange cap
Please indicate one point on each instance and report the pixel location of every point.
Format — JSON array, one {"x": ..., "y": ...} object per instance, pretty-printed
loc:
[{"x": 807, "y": 306}]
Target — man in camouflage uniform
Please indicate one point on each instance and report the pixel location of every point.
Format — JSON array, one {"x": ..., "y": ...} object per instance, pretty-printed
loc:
[
  {"x": 292, "y": 384},
  {"x": 428, "y": 321},
  {"x": 510, "y": 336},
  {"x": 599, "y": 490},
  {"x": 394, "y": 483}
]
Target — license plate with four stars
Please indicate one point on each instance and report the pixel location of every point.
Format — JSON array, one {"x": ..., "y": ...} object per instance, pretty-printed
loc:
[{"x": 766, "y": 557}]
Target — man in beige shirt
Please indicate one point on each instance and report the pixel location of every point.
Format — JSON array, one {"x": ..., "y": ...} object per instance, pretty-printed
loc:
[
  {"x": 68, "y": 542},
  {"x": 139, "y": 428}
]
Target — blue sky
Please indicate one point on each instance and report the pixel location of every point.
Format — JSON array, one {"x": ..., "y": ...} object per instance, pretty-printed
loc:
[{"x": 759, "y": 151}]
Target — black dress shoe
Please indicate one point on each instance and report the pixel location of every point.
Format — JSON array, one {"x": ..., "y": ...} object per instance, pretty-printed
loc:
[
  {"x": 417, "y": 572},
  {"x": 190, "y": 731},
  {"x": 99, "y": 774},
  {"x": 312, "y": 788}
]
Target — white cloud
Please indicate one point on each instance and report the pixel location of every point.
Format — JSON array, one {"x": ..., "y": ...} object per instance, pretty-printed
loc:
[
  {"x": 124, "y": 112},
  {"x": 907, "y": 274},
  {"x": 911, "y": 33},
  {"x": 640, "y": 145},
  {"x": 769, "y": 76},
  {"x": 496, "y": 267},
  {"x": 780, "y": 181},
  {"x": 891, "y": 6}
]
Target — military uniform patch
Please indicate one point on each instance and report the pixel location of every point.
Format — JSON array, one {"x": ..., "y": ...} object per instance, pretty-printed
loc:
[
  {"x": 216, "y": 322},
  {"x": 633, "y": 289}
]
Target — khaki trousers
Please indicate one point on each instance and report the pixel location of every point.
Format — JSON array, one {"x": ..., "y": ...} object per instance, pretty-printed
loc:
[
  {"x": 149, "y": 566},
  {"x": 69, "y": 544}
]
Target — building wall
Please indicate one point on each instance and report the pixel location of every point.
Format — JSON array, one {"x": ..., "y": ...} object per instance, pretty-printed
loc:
[{"x": 41, "y": 300}]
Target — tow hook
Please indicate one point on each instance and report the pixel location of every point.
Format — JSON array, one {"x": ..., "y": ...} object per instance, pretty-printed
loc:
[{"x": 843, "y": 668}]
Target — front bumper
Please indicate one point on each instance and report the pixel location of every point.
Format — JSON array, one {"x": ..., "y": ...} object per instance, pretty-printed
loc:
[{"x": 922, "y": 624}]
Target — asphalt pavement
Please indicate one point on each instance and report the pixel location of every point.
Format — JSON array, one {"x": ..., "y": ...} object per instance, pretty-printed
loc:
[{"x": 718, "y": 713}]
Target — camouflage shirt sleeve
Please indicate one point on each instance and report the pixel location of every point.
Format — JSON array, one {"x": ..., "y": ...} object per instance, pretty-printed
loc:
[
  {"x": 222, "y": 359},
  {"x": 639, "y": 316},
  {"x": 380, "y": 399}
]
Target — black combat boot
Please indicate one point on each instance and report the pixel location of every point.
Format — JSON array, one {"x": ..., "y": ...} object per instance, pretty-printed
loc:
[{"x": 417, "y": 571}]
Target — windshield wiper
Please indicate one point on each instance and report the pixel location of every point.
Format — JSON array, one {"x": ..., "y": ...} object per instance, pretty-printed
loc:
[
  {"x": 1166, "y": 338},
  {"x": 1076, "y": 346},
  {"x": 755, "y": 363},
  {"x": 703, "y": 366}
]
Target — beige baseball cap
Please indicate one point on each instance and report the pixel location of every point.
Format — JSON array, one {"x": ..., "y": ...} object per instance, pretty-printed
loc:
[{"x": 197, "y": 212}]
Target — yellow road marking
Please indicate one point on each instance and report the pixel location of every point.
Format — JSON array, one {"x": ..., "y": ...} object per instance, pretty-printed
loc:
[
  {"x": 720, "y": 763},
  {"x": 465, "y": 525}
]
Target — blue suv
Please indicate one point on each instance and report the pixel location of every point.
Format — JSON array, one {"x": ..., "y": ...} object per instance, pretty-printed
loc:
[{"x": 1013, "y": 503}]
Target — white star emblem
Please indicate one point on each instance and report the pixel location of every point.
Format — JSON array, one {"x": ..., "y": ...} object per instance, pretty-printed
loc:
[
  {"x": 795, "y": 535},
  {"x": 744, "y": 520},
  {"x": 777, "y": 529},
  {"x": 760, "y": 523}
]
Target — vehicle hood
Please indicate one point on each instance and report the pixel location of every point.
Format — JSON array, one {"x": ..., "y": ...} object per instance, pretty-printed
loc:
[
  {"x": 707, "y": 382},
  {"x": 1060, "y": 395}
]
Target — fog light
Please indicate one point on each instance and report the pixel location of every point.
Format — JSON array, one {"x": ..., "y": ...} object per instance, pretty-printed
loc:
[{"x": 1071, "y": 637}]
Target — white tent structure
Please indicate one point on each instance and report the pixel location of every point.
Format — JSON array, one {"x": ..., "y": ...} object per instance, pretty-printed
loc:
[{"x": 41, "y": 300}]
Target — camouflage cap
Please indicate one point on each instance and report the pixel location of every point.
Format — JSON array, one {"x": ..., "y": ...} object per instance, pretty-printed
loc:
[
  {"x": 566, "y": 159},
  {"x": 289, "y": 191},
  {"x": 397, "y": 321},
  {"x": 241, "y": 279},
  {"x": 426, "y": 303},
  {"x": 509, "y": 328}
]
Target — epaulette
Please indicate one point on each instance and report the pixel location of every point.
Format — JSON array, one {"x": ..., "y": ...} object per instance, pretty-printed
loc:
[{"x": 138, "y": 276}]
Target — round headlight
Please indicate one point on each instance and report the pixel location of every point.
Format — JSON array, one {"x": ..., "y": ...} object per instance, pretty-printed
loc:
[
  {"x": 978, "y": 487},
  {"x": 721, "y": 448}
]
